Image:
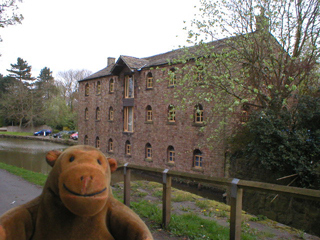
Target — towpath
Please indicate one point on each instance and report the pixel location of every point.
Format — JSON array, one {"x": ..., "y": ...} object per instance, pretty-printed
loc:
[{"x": 15, "y": 191}]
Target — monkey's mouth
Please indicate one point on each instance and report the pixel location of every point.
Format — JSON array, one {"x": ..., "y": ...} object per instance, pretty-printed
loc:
[{"x": 83, "y": 195}]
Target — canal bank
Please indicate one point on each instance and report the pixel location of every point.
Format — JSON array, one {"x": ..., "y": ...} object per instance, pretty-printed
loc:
[{"x": 68, "y": 142}]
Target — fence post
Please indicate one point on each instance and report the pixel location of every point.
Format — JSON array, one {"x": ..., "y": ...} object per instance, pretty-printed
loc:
[
  {"x": 236, "y": 210},
  {"x": 166, "y": 199},
  {"x": 126, "y": 187}
]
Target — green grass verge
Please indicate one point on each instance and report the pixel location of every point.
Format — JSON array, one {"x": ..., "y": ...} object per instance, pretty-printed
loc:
[
  {"x": 17, "y": 133},
  {"x": 189, "y": 225},
  {"x": 33, "y": 177}
]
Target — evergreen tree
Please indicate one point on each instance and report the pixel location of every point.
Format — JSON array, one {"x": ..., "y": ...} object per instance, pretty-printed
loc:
[
  {"x": 21, "y": 71},
  {"x": 18, "y": 100},
  {"x": 46, "y": 83}
]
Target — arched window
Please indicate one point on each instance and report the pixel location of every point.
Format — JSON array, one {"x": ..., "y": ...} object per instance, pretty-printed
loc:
[
  {"x": 111, "y": 116},
  {"x": 172, "y": 77},
  {"x": 98, "y": 114},
  {"x": 171, "y": 113},
  {"x": 128, "y": 148},
  {"x": 171, "y": 154},
  {"x": 200, "y": 74},
  {"x": 198, "y": 114},
  {"x": 97, "y": 142},
  {"x": 148, "y": 151},
  {"x": 86, "y": 90},
  {"x": 98, "y": 87},
  {"x": 149, "y": 81},
  {"x": 86, "y": 140},
  {"x": 197, "y": 158},
  {"x": 244, "y": 115},
  {"x": 110, "y": 145},
  {"x": 86, "y": 114},
  {"x": 111, "y": 86},
  {"x": 149, "y": 114}
]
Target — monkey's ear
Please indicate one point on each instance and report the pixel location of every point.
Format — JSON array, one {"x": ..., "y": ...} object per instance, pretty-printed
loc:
[
  {"x": 113, "y": 164},
  {"x": 52, "y": 156}
]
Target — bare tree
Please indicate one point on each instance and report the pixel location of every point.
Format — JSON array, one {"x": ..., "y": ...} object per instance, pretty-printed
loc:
[{"x": 68, "y": 85}]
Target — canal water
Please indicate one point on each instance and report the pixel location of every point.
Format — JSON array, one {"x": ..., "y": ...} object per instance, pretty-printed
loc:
[{"x": 30, "y": 155}]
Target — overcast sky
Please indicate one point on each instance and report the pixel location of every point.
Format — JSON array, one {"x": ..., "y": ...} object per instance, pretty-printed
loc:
[{"x": 82, "y": 34}]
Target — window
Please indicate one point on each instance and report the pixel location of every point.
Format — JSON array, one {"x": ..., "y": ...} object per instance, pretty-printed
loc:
[
  {"x": 198, "y": 115},
  {"x": 129, "y": 87},
  {"x": 110, "y": 145},
  {"x": 197, "y": 158},
  {"x": 111, "y": 86},
  {"x": 97, "y": 142},
  {"x": 200, "y": 74},
  {"x": 98, "y": 114},
  {"x": 149, "y": 81},
  {"x": 128, "y": 148},
  {"x": 86, "y": 114},
  {"x": 128, "y": 119},
  {"x": 244, "y": 115},
  {"x": 98, "y": 87},
  {"x": 86, "y": 90},
  {"x": 172, "y": 77},
  {"x": 149, "y": 114},
  {"x": 86, "y": 140},
  {"x": 171, "y": 113},
  {"x": 148, "y": 151},
  {"x": 171, "y": 154},
  {"x": 110, "y": 118}
]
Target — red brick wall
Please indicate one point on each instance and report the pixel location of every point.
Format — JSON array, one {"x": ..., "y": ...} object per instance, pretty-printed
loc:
[{"x": 184, "y": 136}]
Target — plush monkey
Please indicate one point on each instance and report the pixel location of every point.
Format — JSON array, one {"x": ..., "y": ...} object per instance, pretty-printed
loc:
[{"x": 76, "y": 203}]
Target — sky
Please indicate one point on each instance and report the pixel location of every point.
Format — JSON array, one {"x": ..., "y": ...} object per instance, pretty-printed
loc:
[{"x": 82, "y": 34}]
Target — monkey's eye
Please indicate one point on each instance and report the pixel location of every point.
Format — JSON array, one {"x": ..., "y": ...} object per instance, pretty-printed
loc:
[
  {"x": 98, "y": 160},
  {"x": 71, "y": 159}
]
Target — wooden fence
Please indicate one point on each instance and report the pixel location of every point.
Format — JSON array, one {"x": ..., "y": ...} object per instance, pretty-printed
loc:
[{"x": 234, "y": 186}]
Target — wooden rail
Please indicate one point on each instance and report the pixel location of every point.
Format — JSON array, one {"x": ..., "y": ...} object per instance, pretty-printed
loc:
[{"x": 234, "y": 185}]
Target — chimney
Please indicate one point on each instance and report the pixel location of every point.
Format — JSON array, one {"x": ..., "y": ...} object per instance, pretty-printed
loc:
[{"x": 111, "y": 60}]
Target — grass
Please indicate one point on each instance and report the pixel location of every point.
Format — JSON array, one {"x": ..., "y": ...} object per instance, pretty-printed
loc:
[
  {"x": 189, "y": 224},
  {"x": 17, "y": 133},
  {"x": 182, "y": 196},
  {"x": 33, "y": 177}
]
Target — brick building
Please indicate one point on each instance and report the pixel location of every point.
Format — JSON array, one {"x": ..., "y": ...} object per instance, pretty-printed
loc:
[{"x": 126, "y": 112}]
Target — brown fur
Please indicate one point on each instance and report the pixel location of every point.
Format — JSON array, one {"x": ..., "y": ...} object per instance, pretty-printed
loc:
[{"x": 76, "y": 203}]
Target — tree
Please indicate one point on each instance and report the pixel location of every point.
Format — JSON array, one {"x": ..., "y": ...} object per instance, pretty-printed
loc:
[
  {"x": 268, "y": 53},
  {"x": 21, "y": 71},
  {"x": 46, "y": 84},
  {"x": 15, "y": 103},
  {"x": 287, "y": 143},
  {"x": 8, "y": 15},
  {"x": 68, "y": 85},
  {"x": 264, "y": 56},
  {"x": 250, "y": 56},
  {"x": 18, "y": 101}
]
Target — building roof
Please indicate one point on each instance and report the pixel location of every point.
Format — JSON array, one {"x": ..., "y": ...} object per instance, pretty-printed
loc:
[{"x": 134, "y": 63}]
